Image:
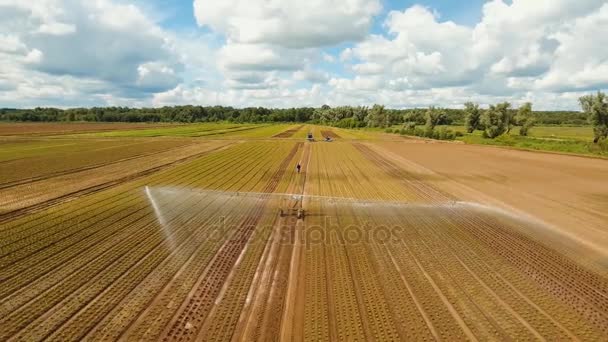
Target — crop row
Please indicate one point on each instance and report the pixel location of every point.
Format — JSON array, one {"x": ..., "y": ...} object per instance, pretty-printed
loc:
[
  {"x": 261, "y": 316},
  {"x": 62, "y": 314},
  {"x": 447, "y": 274},
  {"x": 173, "y": 130},
  {"x": 25, "y": 234},
  {"x": 98, "y": 153},
  {"x": 74, "y": 210},
  {"x": 38, "y": 194},
  {"x": 204, "y": 293},
  {"x": 48, "y": 128},
  {"x": 44, "y": 263},
  {"x": 53, "y": 164},
  {"x": 518, "y": 293},
  {"x": 486, "y": 228},
  {"x": 178, "y": 287}
]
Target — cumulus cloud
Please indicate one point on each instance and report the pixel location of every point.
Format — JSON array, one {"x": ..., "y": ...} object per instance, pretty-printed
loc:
[
  {"x": 272, "y": 97},
  {"x": 289, "y": 53},
  {"x": 311, "y": 75},
  {"x": 288, "y": 23},
  {"x": 517, "y": 48},
  {"x": 34, "y": 57},
  {"x": 428, "y": 52},
  {"x": 581, "y": 59},
  {"x": 258, "y": 57},
  {"x": 102, "y": 41},
  {"x": 156, "y": 76}
]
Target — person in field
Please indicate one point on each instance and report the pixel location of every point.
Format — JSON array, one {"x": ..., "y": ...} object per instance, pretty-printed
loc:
[{"x": 298, "y": 167}]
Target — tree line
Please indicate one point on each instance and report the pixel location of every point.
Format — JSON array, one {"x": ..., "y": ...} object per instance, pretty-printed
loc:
[
  {"x": 345, "y": 116},
  {"x": 178, "y": 114},
  {"x": 494, "y": 121}
]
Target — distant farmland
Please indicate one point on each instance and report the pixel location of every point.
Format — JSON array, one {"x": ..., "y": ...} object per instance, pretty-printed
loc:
[{"x": 208, "y": 232}]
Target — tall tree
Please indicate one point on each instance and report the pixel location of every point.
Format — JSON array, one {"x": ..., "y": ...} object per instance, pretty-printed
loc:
[
  {"x": 434, "y": 116},
  {"x": 509, "y": 118},
  {"x": 377, "y": 117},
  {"x": 495, "y": 120},
  {"x": 525, "y": 119},
  {"x": 472, "y": 116},
  {"x": 596, "y": 108}
]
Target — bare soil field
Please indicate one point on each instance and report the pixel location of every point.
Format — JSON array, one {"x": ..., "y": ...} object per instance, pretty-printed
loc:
[
  {"x": 288, "y": 133},
  {"x": 329, "y": 134},
  {"x": 371, "y": 240},
  {"x": 563, "y": 191}
]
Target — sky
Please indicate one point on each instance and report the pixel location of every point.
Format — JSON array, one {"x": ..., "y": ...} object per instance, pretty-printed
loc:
[{"x": 291, "y": 53}]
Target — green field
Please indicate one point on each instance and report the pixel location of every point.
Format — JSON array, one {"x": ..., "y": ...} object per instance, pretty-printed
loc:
[
  {"x": 565, "y": 139},
  {"x": 554, "y": 132}
]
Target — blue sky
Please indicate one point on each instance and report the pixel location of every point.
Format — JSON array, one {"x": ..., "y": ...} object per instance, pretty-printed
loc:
[
  {"x": 180, "y": 14},
  {"x": 293, "y": 53}
]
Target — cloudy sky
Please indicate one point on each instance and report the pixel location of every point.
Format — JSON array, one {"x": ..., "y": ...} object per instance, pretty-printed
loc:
[{"x": 285, "y": 53}]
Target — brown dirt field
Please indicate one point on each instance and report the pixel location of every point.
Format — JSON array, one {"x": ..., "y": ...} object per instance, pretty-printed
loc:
[
  {"x": 566, "y": 192},
  {"x": 10, "y": 129},
  {"x": 288, "y": 133},
  {"x": 329, "y": 133}
]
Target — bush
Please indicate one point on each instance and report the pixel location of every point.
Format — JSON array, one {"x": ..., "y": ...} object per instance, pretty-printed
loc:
[
  {"x": 603, "y": 145},
  {"x": 410, "y": 125}
]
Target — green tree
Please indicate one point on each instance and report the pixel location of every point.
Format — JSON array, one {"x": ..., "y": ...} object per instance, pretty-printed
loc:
[
  {"x": 377, "y": 117},
  {"x": 434, "y": 116},
  {"x": 510, "y": 120},
  {"x": 596, "y": 108},
  {"x": 472, "y": 116},
  {"x": 495, "y": 120},
  {"x": 524, "y": 118}
]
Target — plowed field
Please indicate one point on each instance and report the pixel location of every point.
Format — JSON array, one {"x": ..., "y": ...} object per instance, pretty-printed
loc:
[{"x": 373, "y": 240}]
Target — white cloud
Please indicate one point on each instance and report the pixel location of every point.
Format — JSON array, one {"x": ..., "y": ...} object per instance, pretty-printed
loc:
[
  {"x": 34, "y": 57},
  {"x": 516, "y": 49},
  {"x": 310, "y": 75},
  {"x": 429, "y": 53},
  {"x": 368, "y": 68},
  {"x": 359, "y": 83},
  {"x": 277, "y": 53},
  {"x": 56, "y": 29},
  {"x": 581, "y": 60},
  {"x": 288, "y": 23},
  {"x": 100, "y": 41},
  {"x": 156, "y": 76},
  {"x": 258, "y": 57},
  {"x": 273, "y": 98},
  {"x": 11, "y": 43},
  {"x": 329, "y": 58}
]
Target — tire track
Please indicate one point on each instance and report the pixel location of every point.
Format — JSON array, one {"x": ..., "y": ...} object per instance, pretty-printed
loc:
[{"x": 193, "y": 312}]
